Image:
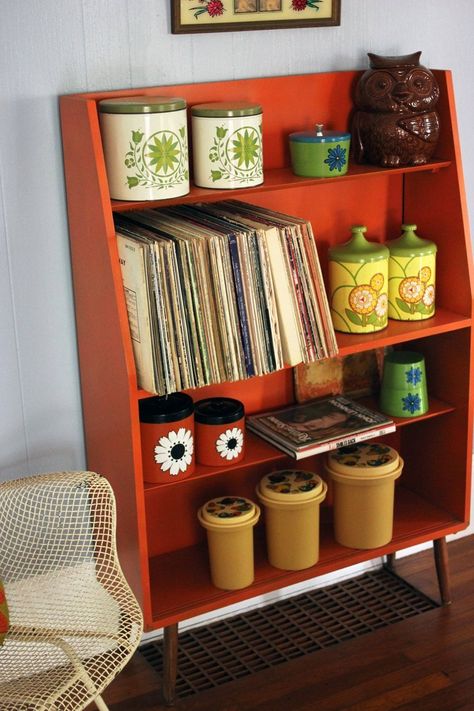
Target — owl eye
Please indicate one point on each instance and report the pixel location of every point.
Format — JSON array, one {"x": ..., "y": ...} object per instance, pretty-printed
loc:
[
  {"x": 420, "y": 83},
  {"x": 379, "y": 84}
]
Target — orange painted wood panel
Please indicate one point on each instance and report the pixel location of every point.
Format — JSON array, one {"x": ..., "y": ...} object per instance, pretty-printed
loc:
[
  {"x": 157, "y": 526},
  {"x": 110, "y": 411}
]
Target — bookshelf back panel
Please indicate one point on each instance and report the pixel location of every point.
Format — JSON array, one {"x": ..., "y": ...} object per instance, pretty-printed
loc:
[
  {"x": 260, "y": 393},
  {"x": 176, "y": 506}
]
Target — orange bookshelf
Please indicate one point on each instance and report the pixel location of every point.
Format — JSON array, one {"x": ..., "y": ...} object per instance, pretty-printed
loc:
[{"x": 162, "y": 548}]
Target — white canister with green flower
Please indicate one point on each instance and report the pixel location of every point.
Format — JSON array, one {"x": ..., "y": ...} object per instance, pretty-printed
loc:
[
  {"x": 145, "y": 147},
  {"x": 227, "y": 144}
]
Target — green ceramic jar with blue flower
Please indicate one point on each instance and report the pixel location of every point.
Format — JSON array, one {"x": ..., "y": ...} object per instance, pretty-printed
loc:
[
  {"x": 404, "y": 391},
  {"x": 320, "y": 153}
]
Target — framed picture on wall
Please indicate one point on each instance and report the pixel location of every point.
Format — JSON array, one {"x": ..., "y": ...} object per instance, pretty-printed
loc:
[{"x": 235, "y": 15}]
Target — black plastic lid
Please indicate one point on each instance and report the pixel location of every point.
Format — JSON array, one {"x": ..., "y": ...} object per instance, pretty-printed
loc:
[
  {"x": 166, "y": 408},
  {"x": 218, "y": 411}
]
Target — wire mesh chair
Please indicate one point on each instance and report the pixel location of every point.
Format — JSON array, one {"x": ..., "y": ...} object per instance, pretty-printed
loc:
[{"x": 74, "y": 622}]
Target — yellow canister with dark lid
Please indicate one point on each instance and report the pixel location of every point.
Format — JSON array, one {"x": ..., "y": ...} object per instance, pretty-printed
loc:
[
  {"x": 363, "y": 477},
  {"x": 291, "y": 498},
  {"x": 229, "y": 522}
]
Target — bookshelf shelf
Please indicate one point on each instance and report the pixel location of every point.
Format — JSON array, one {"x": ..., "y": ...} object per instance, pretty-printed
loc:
[
  {"x": 160, "y": 543},
  {"x": 399, "y": 332},
  {"x": 260, "y": 453},
  {"x": 415, "y": 521},
  {"x": 279, "y": 179}
]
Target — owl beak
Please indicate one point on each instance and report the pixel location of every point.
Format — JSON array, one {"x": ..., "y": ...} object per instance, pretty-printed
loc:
[{"x": 400, "y": 93}]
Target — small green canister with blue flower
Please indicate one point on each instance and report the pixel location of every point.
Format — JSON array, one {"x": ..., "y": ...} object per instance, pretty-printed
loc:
[
  {"x": 358, "y": 283},
  {"x": 320, "y": 153},
  {"x": 404, "y": 391}
]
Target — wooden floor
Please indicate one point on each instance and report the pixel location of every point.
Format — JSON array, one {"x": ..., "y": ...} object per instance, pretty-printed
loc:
[{"x": 425, "y": 663}]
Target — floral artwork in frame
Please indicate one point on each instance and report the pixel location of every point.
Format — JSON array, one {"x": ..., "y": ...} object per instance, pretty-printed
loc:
[{"x": 235, "y": 15}]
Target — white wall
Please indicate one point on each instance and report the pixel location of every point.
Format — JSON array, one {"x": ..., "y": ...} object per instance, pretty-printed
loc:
[{"x": 48, "y": 48}]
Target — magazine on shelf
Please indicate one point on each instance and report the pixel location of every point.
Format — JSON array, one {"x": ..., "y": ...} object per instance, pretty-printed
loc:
[{"x": 320, "y": 425}]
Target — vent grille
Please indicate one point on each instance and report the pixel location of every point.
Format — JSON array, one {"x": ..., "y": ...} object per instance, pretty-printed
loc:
[{"x": 253, "y": 641}]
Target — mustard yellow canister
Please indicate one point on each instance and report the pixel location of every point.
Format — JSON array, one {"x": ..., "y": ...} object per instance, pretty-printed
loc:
[
  {"x": 358, "y": 283},
  {"x": 411, "y": 276}
]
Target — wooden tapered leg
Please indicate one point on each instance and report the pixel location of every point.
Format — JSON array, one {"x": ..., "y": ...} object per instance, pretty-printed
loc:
[
  {"x": 170, "y": 663},
  {"x": 390, "y": 563},
  {"x": 440, "y": 549}
]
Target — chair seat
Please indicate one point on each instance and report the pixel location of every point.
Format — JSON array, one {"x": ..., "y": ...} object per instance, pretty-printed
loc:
[{"x": 45, "y": 601}]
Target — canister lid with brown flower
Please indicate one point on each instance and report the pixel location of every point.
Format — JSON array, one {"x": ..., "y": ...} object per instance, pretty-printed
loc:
[{"x": 228, "y": 510}]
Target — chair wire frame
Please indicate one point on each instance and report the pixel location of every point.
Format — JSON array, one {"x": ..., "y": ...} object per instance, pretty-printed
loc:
[{"x": 74, "y": 622}]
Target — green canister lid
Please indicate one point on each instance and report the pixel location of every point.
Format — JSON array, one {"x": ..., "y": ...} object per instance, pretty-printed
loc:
[
  {"x": 410, "y": 245},
  {"x": 232, "y": 109},
  {"x": 358, "y": 249},
  {"x": 290, "y": 485},
  {"x": 364, "y": 460},
  {"x": 141, "y": 105},
  {"x": 228, "y": 510}
]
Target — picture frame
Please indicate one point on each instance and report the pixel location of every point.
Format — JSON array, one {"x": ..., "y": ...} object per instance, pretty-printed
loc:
[{"x": 190, "y": 16}]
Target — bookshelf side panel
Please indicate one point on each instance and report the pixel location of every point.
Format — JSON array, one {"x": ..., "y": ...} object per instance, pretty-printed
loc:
[
  {"x": 106, "y": 360},
  {"x": 436, "y": 202}
]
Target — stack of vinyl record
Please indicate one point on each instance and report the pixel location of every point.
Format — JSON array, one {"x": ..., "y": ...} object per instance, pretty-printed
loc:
[{"x": 220, "y": 292}]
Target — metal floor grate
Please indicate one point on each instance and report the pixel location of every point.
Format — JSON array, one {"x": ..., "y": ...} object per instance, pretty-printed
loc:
[{"x": 256, "y": 640}]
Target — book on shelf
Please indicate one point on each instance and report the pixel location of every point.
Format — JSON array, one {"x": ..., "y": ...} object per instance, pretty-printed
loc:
[
  {"x": 133, "y": 262},
  {"x": 306, "y": 327},
  {"x": 321, "y": 425}
]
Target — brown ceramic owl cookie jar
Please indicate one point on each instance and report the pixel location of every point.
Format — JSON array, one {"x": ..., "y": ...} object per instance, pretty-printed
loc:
[{"x": 395, "y": 122}]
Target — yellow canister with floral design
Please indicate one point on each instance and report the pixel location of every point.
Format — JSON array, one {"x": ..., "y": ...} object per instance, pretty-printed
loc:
[
  {"x": 229, "y": 523},
  {"x": 412, "y": 275},
  {"x": 358, "y": 282}
]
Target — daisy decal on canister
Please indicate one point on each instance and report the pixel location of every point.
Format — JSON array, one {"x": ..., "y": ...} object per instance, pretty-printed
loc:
[
  {"x": 174, "y": 453},
  {"x": 167, "y": 434},
  {"x": 219, "y": 431}
]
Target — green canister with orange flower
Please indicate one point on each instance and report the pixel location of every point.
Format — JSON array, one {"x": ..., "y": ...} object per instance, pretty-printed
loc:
[
  {"x": 412, "y": 274},
  {"x": 358, "y": 282}
]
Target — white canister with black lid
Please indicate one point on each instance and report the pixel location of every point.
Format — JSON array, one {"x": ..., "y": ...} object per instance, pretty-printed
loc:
[{"x": 145, "y": 147}]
